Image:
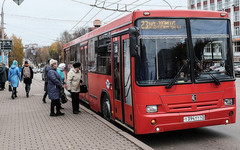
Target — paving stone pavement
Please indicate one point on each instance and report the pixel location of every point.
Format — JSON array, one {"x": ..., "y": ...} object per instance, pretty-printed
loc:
[{"x": 25, "y": 124}]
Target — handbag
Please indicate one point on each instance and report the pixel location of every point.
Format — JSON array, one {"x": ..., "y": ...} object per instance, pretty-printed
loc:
[
  {"x": 83, "y": 89},
  {"x": 9, "y": 88},
  {"x": 63, "y": 97}
]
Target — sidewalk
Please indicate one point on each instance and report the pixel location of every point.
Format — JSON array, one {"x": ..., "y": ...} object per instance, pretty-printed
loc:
[{"x": 26, "y": 124}]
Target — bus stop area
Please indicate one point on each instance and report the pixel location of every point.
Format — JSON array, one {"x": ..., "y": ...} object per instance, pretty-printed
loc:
[{"x": 26, "y": 124}]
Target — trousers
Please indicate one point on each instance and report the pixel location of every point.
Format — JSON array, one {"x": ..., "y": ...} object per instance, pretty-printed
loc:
[
  {"x": 75, "y": 101},
  {"x": 55, "y": 103},
  {"x": 27, "y": 87}
]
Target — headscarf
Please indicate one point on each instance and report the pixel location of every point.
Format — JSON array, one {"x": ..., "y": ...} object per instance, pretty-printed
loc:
[{"x": 14, "y": 64}]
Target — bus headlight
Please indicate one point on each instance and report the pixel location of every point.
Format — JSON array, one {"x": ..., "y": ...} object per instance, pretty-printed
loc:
[
  {"x": 228, "y": 101},
  {"x": 152, "y": 108}
]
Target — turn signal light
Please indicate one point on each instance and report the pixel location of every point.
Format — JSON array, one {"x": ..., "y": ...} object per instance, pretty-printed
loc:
[{"x": 153, "y": 122}]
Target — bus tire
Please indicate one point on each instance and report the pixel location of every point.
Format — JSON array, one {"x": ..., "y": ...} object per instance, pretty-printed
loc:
[{"x": 106, "y": 108}]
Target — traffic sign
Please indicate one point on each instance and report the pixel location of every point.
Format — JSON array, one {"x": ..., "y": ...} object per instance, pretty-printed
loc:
[
  {"x": 6, "y": 45},
  {"x": 18, "y": 1}
]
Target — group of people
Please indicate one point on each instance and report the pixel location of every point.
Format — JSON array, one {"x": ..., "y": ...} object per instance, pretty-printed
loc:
[
  {"x": 54, "y": 83},
  {"x": 15, "y": 74}
]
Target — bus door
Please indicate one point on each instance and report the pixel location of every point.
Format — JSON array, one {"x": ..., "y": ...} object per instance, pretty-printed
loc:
[
  {"x": 122, "y": 80},
  {"x": 83, "y": 61}
]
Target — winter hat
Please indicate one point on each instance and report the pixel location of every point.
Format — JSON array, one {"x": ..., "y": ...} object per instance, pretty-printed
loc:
[
  {"x": 61, "y": 66},
  {"x": 76, "y": 65},
  {"x": 52, "y": 61}
]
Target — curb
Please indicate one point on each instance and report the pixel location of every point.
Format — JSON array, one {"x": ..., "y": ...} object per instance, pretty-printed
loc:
[{"x": 119, "y": 131}]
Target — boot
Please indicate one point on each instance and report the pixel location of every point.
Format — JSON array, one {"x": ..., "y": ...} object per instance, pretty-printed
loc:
[
  {"x": 15, "y": 92},
  {"x": 60, "y": 114},
  {"x": 27, "y": 94},
  {"x": 52, "y": 114},
  {"x": 13, "y": 96},
  {"x": 52, "y": 109},
  {"x": 58, "y": 105}
]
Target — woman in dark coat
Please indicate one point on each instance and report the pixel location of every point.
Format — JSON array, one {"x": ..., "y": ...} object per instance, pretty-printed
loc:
[
  {"x": 27, "y": 79},
  {"x": 54, "y": 86},
  {"x": 3, "y": 76}
]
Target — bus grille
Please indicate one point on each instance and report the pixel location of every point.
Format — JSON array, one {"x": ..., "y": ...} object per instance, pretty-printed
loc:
[{"x": 193, "y": 106}]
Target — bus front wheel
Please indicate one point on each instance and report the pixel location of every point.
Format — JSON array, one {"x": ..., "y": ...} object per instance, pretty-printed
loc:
[{"x": 106, "y": 108}]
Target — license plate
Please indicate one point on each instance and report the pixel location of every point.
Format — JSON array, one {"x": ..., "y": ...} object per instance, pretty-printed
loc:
[{"x": 194, "y": 118}]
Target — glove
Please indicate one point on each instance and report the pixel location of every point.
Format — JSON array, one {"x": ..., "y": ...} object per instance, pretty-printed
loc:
[
  {"x": 69, "y": 91},
  {"x": 81, "y": 81}
]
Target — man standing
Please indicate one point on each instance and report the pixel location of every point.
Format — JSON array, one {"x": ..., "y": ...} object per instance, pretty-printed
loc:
[
  {"x": 3, "y": 76},
  {"x": 27, "y": 76}
]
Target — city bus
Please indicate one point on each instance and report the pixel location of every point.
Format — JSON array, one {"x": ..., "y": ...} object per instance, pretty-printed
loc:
[{"x": 159, "y": 70}]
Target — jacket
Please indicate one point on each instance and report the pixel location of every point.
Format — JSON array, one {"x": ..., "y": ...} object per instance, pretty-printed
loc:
[
  {"x": 14, "y": 76},
  {"x": 46, "y": 69},
  {"x": 60, "y": 72},
  {"x": 73, "y": 80},
  {"x": 3, "y": 76},
  {"x": 27, "y": 80},
  {"x": 54, "y": 84}
]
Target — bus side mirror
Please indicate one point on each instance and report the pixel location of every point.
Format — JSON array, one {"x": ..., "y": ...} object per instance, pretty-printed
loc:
[{"x": 133, "y": 36}]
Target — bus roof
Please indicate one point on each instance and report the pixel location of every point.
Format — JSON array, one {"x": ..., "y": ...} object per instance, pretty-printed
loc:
[{"x": 128, "y": 19}]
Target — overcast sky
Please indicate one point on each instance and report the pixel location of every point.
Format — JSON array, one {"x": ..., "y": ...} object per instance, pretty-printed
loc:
[{"x": 42, "y": 21}]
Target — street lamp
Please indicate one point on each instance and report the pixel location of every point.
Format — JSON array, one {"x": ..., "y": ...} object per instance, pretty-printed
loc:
[
  {"x": 171, "y": 5},
  {"x": 2, "y": 26}
]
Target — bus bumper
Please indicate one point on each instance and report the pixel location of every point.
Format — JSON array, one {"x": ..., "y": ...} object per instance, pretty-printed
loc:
[{"x": 175, "y": 121}]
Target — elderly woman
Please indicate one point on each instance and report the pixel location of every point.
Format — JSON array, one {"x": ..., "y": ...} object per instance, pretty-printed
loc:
[
  {"x": 14, "y": 77},
  {"x": 54, "y": 86},
  {"x": 73, "y": 85},
  {"x": 60, "y": 70}
]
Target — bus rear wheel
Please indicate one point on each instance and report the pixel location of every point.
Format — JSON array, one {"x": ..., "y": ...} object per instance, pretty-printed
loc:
[{"x": 106, "y": 108}]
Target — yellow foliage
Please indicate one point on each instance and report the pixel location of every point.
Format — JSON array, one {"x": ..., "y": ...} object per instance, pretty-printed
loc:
[{"x": 17, "y": 51}]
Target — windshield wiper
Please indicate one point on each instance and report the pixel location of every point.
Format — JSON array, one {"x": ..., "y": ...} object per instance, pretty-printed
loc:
[
  {"x": 170, "y": 84},
  {"x": 217, "y": 82}
]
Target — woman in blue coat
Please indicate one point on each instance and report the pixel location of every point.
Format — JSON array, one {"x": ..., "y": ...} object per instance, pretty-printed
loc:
[
  {"x": 54, "y": 86},
  {"x": 14, "y": 77}
]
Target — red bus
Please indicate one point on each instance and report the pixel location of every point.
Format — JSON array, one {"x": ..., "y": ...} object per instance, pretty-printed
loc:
[{"x": 159, "y": 70}]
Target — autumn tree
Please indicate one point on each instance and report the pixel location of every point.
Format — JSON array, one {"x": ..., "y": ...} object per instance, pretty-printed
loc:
[
  {"x": 55, "y": 51},
  {"x": 17, "y": 51},
  {"x": 44, "y": 55}
]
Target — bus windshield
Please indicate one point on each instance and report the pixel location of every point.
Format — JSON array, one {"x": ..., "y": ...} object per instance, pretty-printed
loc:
[
  {"x": 164, "y": 52},
  {"x": 211, "y": 44}
]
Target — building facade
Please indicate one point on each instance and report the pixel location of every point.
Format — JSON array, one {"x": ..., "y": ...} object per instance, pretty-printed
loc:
[{"x": 229, "y": 6}]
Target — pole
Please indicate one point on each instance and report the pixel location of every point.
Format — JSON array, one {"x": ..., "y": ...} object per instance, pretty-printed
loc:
[
  {"x": 2, "y": 26},
  {"x": 168, "y": 3}
]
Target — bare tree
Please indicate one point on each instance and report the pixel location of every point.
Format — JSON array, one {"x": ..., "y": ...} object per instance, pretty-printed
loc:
[
  {"x": 79, "y": 32},
  {"x": 65, "y": 38}
]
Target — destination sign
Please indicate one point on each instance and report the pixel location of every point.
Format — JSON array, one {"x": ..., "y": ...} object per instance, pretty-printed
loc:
[{"x": 159, "y": 24}]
